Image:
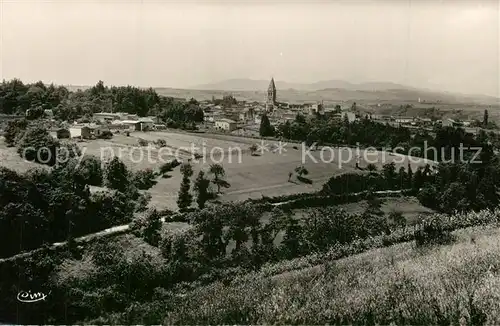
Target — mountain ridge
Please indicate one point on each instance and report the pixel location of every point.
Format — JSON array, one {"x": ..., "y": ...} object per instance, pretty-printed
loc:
[{"x": 247, "y": 84}]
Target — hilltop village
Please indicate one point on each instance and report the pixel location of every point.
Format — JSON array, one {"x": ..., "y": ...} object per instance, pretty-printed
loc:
[{"x": 237, "y": 117}]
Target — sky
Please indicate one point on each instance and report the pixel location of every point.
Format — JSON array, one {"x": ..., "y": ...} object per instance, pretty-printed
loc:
[{"x": 450, "y": 45}]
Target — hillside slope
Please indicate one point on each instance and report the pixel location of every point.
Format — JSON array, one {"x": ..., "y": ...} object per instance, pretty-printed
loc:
[{"x": 401, "y": 284}]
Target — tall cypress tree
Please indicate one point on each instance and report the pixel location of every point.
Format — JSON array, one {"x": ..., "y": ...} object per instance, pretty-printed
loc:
[
  {"x": 265, "y": 129},
  {"x": 410, "y": 175},
  {"x": 201, "y": 187},
  {"x": 185, "y": 198}
]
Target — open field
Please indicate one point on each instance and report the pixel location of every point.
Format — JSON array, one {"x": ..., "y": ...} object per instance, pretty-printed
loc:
[
  {"x": 10, "y": 159},
  {"x": 401, "y": 284},
  {"x": 408, "y": 206},
  {"x": 249, "y": 176}
]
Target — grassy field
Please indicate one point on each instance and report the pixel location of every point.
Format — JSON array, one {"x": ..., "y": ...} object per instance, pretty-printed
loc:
[
  {"x": 10, "y": 159},
  {"x": 401, "y": 284},
  {"x": 249, "y": 176},
  {"x": 408, "y": 206}
]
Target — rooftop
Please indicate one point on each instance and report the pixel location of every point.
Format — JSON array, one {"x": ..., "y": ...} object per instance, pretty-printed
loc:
[{"x": 226, "y": 120}]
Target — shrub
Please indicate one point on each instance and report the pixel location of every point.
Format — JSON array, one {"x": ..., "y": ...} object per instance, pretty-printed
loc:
[
  {"x": 106, "y": 134},
  {"x": 13, "y": 130},
  {"x": 169, "y": 166},
  {"x": 433, "y": 230},
  {"x": 117, "y": 175},
  {"x": 354, "y": 182},
  {"x": 67, "y": 150},
  {"x": 63, "y": 133},
  {"x": 91, "y": 170},
  {"x": 144, "y": 179},
  {"x": 38, "y": 145},
  {"x": 160, "y": 143},
  {"x": 142, "y": 142}
]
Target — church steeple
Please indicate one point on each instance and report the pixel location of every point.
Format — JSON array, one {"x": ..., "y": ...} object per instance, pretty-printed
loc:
[
  {"x": 271, "y": 96},
  {"x": 272, "y": 87}
]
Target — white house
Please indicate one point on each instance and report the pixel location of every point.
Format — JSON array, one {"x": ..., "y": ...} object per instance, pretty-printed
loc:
[
  {"x": 351, "y": 116},
  {"x": 404, "y": 120},
  {"x": 75, "y": 132},
  {"x": 132, "y": 124},
  {"x": 146, "y": 124},
  {"x": 225, "y": 124}
]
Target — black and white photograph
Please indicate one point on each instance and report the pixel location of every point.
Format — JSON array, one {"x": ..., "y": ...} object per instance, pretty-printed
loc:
[{"x": 250, "y": 162}]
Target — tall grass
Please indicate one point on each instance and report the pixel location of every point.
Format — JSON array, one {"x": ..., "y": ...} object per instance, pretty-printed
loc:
[{"x": 403, "y": 284}]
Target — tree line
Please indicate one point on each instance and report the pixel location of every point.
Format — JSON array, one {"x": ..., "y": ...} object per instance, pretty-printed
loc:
[
  {"x": 46, "y": 206},
  {"x": 446, "y": 141},
  {"x": 31, "y": 100}
]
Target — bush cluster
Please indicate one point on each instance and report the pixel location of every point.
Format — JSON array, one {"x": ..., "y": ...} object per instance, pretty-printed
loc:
[{"x": 169, "y": 166}]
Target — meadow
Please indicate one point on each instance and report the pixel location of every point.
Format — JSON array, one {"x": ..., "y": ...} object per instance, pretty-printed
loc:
[
  {"x": 249, "y": 176},
  {"x": 409, "y": 207}
]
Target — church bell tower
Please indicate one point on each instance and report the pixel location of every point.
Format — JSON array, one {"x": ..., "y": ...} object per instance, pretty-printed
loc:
[{"x": 271, "y": 96}]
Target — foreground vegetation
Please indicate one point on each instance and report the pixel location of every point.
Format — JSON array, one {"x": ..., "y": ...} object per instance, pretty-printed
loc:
[
  {"x": 403, "y": 284},
  {"x": 130, "y": 281}
]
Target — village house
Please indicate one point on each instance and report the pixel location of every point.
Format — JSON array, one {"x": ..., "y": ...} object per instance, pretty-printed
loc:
[
  {"x": 146, "y": 124},
  {"x": 131, "y": 125},
  {"x": 109, "y": 117},
  {"x": 405, "y": 120},
  {"x": 424, "y": 121},
  {"x": 351, "y": 116},
  {"x": 117, "y": 125},
  {"x": 87, "y": 131},
  {"x": 317, "y": 108},
  {"x": 247, "y": 114},
  {"x": 225, "y": 124},
  {"x": 452, "y": 123},
  {"x": 76, "y": 132}
]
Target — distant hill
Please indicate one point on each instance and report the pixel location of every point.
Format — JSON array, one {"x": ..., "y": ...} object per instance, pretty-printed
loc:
[
  {"x": 339, "y": 91},
  {"x": 396, "y": 96},
  {"x": 330, "y": 91},
  {"x": 245, "y": 84}
]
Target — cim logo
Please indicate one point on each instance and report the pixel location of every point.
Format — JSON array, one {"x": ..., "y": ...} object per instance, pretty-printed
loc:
[{"x": 24, "y": 296}]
